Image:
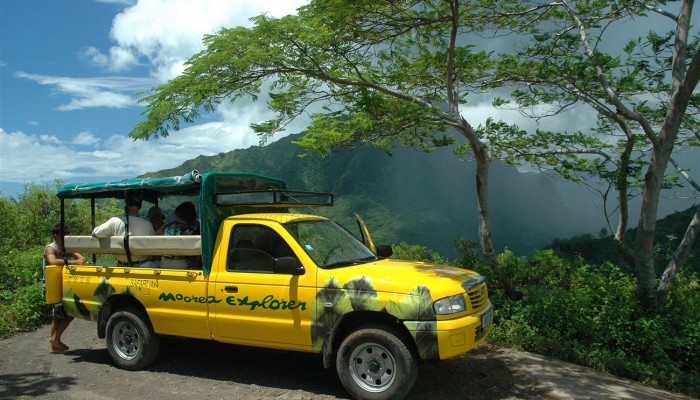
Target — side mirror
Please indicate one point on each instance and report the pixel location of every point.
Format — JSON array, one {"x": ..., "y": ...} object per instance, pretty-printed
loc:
[
  {"x": 384, "y": 250},
  {"x": 287, "y": 265}
]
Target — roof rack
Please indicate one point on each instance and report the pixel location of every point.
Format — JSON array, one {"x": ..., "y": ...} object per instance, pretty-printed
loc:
[{"x": 273, "y": 197}]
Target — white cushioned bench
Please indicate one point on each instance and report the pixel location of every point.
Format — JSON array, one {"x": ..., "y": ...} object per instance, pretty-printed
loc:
[{"x": 187, "y": 245}]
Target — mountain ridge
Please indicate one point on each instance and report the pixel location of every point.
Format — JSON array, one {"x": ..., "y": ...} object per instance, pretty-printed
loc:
[{"x": 419, "y": 198}]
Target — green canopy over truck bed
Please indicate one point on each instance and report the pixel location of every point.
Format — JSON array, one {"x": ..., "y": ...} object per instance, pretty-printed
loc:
[{"x": 220, "y": 194}]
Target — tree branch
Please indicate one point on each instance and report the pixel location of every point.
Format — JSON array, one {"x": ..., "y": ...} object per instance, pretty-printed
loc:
[
  {"x": 450, "y": 83},
  {"x": 610, "y": 92},
  {"x": 661, "y": 12},
  {"x": 680, "y": 255},
  {"x": 685, "y": 174}
]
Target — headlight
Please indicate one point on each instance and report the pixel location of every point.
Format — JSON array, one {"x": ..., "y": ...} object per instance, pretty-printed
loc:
[{"x": 450, "y": 305}]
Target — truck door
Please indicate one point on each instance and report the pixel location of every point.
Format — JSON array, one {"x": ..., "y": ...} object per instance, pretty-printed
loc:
[{"x": 258, "y": 305}]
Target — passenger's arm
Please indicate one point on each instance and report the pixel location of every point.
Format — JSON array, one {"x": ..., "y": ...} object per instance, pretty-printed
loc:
[
  {"x": 52, "y": 259},
  {"x": 103, "y": 231}
]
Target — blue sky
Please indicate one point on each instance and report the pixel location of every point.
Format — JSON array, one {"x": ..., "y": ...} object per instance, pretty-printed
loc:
[{"x": 69, "y": 70}]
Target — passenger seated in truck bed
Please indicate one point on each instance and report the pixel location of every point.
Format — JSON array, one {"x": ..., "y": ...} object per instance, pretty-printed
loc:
[
  {"x": 186, "y": 224},
  {"x": 116, "y": 226}
]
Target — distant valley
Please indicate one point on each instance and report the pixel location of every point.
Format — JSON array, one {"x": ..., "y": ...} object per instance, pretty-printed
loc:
[{"x": 421, "y": 198}]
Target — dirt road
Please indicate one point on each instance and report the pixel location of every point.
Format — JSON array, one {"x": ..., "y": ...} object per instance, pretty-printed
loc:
[{"x": 207, "y": 370}]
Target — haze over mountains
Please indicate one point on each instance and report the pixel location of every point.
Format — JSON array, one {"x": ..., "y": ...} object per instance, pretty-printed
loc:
[{"x": 422, "y": 198}]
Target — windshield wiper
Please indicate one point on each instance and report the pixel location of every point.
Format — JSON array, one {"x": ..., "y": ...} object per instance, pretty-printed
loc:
[
  {"x": 346, "y": 263},
  {"x": 339, "y": 264}
]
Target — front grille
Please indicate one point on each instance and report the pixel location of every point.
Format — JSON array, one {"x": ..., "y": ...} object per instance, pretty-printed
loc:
[{"x": 478, "y": 297}]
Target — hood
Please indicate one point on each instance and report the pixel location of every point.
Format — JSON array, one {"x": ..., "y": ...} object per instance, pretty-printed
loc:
[{"x": 401, "y": 277}]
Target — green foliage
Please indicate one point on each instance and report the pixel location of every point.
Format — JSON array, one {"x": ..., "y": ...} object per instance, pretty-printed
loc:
[
  {"x": 25, "y": 225},
  {"x": 25, "y": 229},
  {"x": 22, "y": 305},
  {"x": 596, "y": 250},
  {"x": 405, "y": 251},
  {"x": 381, "y": 71},
  {"x": 590, "y": 315}
]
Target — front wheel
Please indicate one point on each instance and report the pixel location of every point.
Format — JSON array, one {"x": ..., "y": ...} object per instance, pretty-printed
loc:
[
  {"x": 131, "y": 342},
  {"x": 376, "y": 363}
]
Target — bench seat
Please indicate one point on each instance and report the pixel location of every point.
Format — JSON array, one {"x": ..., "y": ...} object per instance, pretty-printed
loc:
[{"x": 187, "y": 245}]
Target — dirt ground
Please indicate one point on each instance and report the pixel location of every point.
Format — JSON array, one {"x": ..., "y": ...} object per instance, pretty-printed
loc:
[{"x": 209, "y": 370}]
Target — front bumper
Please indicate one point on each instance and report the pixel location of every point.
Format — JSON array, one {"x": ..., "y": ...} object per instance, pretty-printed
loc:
[{"x": 453, "y": 337}]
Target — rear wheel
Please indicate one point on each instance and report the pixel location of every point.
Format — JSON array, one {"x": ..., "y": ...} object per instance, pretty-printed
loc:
[
  {"x": 131, "y": 342},
  {"x": 376, "y": 363}
]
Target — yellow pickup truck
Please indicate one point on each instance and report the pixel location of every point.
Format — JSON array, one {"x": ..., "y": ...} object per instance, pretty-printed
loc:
[{"x": 266, "y": 275}]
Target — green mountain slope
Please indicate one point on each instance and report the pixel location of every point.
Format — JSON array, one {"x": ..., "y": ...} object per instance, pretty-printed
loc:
[
  {"x": 596, "y": 250},
  {"x": 419, "y": 198}
]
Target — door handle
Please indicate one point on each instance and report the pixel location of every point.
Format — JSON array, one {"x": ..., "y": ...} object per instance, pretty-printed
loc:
[{"x": 231, "y": 289}]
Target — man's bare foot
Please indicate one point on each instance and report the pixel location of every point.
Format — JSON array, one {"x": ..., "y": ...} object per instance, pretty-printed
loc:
[
  {"x": 56, "y": 350},
  {"x": 58, "y": 344}
]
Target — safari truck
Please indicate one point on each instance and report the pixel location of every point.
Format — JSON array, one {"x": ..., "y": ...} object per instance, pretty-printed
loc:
[{"x": 267, "y": 275}]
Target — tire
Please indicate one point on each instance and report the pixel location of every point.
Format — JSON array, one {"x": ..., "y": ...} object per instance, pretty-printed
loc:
[
  {"x": 131, "y": 342},
  {"x": 376, "y": 363}
]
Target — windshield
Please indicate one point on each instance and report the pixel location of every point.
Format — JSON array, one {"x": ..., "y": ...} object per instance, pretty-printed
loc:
[{"x": 328, "y": 244}]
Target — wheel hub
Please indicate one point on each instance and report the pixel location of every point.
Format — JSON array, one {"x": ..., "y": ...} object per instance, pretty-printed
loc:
[
  {"x": 372, "y": 367},
  {"x": 126, "y": 341}
]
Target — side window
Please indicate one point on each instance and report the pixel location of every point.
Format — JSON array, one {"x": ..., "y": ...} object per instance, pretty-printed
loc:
[{"x": 254, "y": 248}]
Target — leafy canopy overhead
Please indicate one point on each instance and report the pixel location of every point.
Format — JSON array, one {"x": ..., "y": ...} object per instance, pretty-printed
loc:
[{"x": 367, "y": 70}]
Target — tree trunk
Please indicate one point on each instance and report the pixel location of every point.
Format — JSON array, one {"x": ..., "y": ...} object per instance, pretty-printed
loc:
[
  {"x": 644, "y": 241},
  {"x": 682, "y": 86},
  {"x": 622, "y": 196},
  {"x": 680, "y": 255},
  {"x": 482, "y": 194},
  {"x": 483, "y": 162}
]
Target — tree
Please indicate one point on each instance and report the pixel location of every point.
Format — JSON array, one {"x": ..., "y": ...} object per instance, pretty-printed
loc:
[
  {"x": 644, "y": 97},
  {"x": 379, "y": 72}
]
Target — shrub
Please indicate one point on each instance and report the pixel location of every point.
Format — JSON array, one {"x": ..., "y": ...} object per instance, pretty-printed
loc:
[
  {"x": 405, "y": 251},
  {"x": 590, "y": 315},
  {"x": 22, "y": 305}
]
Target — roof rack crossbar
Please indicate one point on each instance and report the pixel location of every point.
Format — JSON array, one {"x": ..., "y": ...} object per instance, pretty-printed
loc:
[{"x": 274, "y": 197}]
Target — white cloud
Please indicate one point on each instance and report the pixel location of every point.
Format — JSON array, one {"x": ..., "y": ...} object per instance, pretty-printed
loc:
[
  {"x": 98, "y": 99},
  {"x": 111, "y": 92},
  {"x": 580, "y": 118},
  {"x": 119, "y": 155},
  {"x": 85, "y": 139},
  {"x": 95, "y": 55},
  {"x": 102, "y": 154},
  {"x": 168, "y": 32},
  {"x": 48, "y": 139}
]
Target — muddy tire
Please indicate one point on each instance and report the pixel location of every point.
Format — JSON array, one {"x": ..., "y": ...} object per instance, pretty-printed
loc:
[
  {"x": 376, "y": 363},
  {"x": 131, "y": 342}
]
